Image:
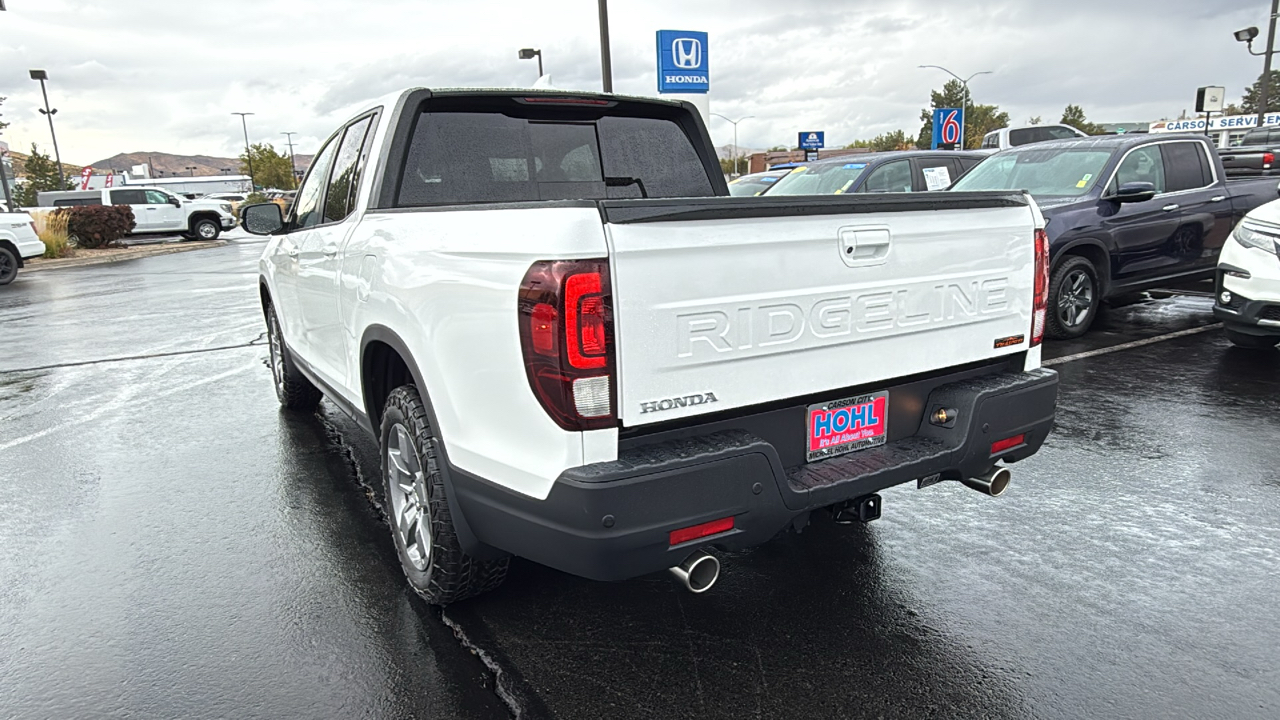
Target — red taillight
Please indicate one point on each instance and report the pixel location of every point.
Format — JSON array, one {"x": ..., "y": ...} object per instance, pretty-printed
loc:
[
  {"x": 715, "y": 527},
  {"x": 1267, "y": 159},
  {"x": 584, "y": 321},
  {"x": 566, "y": 333},
  {"x": 1041, "y": 288},
  {"x": 1000, "y": 446}
]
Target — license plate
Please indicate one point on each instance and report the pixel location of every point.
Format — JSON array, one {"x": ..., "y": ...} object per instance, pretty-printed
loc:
[{"x": 843, "y": 426}]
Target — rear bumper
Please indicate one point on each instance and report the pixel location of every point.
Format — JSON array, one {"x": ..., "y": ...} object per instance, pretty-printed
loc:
[{"x": 611, "y": 521}]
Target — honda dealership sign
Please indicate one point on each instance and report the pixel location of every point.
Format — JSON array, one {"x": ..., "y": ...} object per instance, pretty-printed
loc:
[{"x": 682, "y": 62}]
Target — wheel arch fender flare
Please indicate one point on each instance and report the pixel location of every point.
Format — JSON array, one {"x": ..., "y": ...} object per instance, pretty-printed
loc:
[
  {"x": 199, "y": 215},
  {"x": 382, "y": 334},
  {"x": 7, "y": 244},
  {"x": 1093, "y": 250}
]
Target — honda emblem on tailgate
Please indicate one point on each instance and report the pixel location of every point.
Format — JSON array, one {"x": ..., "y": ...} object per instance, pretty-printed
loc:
[{"x": 679, "y": 402}]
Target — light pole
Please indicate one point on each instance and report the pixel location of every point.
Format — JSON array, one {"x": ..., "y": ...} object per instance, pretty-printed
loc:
[
  {"x": 964, "y": 107},
  {"x": 248, "y": 156},
  {"x": 606, "y": 66},
  {"x": 735, "y": 137},
  {"x": 293, "y": 166},
  {"x": 1246, "y": 36},
  {"x": 531, "y": 53},
  {"x": 49, "y": 113}
]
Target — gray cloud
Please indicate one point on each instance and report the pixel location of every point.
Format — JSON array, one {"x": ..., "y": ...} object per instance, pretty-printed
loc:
[{"x": 131, "y": 75}]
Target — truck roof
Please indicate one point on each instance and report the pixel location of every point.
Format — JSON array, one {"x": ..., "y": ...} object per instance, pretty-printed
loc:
[{"x": 1109, "y": 142}]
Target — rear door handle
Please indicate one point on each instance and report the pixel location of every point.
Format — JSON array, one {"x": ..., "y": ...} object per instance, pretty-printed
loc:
[
  {"x": 330, "y": 250},
  {"x": 1217, "y": 198},
  {"x": 1169, "y": 208}
]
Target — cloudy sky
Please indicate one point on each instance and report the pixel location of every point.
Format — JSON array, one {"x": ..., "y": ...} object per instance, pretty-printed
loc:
[{"x": 164, "y": 75}]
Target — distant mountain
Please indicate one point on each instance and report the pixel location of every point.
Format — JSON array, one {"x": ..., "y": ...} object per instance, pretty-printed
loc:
[
  {"x": 19, "y": 161},
  {"x": 168, "y": 165},
  {"x": 725, "y": 152}
]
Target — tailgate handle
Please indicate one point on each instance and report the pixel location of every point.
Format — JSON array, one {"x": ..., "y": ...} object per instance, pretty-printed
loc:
[{"x": 864, "y": 246}]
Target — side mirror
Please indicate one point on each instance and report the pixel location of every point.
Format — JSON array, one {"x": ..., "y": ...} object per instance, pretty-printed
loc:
[
  {"x": 1134, "y": 192},
  {"x": 175, "y": 202},
  {"x": 262, "y": 218}
]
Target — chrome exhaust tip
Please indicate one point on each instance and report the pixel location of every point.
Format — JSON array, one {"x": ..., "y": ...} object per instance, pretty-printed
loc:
[
  {"x": 698, "y": 572},
  {"x": 994, "y": 482}
]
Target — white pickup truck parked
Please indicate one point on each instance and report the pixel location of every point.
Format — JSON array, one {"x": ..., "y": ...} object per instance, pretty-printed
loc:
[
  {"x": 572, "y": 349},
  {"x": 155, "y": 210},
  {"x": 18, "y": 241}
]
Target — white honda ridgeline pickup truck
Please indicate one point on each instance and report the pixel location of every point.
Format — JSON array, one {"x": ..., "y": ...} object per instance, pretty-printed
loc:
[{"x": 575, "y": 348}]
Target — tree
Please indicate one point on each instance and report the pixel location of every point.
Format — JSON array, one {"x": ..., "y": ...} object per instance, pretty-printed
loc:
[
  {"x": 895, "y": 140},
  {"x": 1073, "y": 115},
  {"x": 3, "y": 124},
  {"x": 727, "y": 165},
  {"x": 978, "y": 119},
  {"x": 270, "y": 169},
  {"x": 1250, "y": 102},
  {"x": 40, "y": 175}
]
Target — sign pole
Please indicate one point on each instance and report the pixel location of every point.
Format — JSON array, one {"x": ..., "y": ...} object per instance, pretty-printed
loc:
[
  {"x": 606, "y": 67},
  {"x": 4, "y": 181}
]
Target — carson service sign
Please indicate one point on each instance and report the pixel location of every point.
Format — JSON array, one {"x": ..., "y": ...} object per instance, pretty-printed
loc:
[{"x": 682, "y": 62}]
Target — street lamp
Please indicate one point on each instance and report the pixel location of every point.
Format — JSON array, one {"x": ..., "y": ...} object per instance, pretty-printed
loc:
[
  {"x": 1246, "y": 36},
  {"x": 735, "y": 137},
  {"x": 49, "y": 113},
  {"x": 964, "y": 108},
  {"x": 288, "y": 138},
  {"x": 248, "y": 156},
  {"x": 531, "y": 53}
]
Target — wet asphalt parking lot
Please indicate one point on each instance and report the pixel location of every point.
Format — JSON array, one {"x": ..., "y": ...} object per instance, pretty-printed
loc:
[{"x": 176, "y": 546}]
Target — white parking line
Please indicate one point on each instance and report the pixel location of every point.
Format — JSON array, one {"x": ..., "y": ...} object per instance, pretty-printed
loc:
[{"x": 1131, "y": 345}]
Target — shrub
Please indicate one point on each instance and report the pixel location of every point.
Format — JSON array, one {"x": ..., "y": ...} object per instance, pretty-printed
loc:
[
  {"x": 51, "y": 227},
  {"x": 98, "y": 226}
]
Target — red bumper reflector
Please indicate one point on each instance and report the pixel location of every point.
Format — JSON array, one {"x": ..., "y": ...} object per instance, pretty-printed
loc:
[
  {"x": 715, "y": 527},
  {"x": 1005, "y": 444}
]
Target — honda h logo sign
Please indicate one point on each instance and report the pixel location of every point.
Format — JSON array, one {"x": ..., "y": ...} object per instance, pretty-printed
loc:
[
  {"x": 686, "y": 53},
  {"x": 682, "y": 62}
]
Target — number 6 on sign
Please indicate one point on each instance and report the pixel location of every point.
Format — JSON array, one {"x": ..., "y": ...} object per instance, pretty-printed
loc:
[{"x": 946, "y": 126}]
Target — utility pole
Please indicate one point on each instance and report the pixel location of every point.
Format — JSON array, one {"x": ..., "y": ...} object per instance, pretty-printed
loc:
[
  {"x": 735, "y": 137},
  {"x": 248, "y": 156},
  {"x": 606, "y": 67},
  {"x": 964, "y": 105},
  {"x": 1266, "y": 65},
  {"x": 4, "y": 181},
  {"x": 293, "y": 166},
  {"x": 49, "y": 112}
]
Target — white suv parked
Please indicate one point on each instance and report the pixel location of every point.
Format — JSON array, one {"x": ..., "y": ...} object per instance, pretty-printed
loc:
[{"x": 1248, "y": 280}]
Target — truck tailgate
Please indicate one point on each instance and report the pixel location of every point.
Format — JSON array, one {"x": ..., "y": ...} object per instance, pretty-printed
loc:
[{"x": 723, "y": 303}]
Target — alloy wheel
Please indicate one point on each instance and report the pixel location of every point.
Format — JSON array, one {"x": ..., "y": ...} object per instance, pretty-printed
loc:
[
  {"x": 406, "y": 483},
  {"x": 7, "y": 267},
  {"x": 206, "y": 230},
  {"x": 277, "y": 354},
  {"x": 1075, "y": 299}
]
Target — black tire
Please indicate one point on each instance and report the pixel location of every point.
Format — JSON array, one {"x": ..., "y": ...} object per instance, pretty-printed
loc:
[
  {"x": 1252, "y": 342},
  {"x": 435, "y": 565},
  {"x": 8, "y": 265},
  {"x": 1074, "y": 296},
  {"x": 293, "y": 389},
  {"x": 206, "y": 229}
]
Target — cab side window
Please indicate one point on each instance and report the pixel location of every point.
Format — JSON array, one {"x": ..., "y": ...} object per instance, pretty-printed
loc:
[
  {"x": 128, "y": 197},
  {"x": 155, "y": 197},
  {"x": 341, "y": 197},
  {"x": 891, "y": 177},
  {"x": 306, "y": 207},
  {"x": 1185, "y": 166},
  {"x": 1141, "y": 165}
]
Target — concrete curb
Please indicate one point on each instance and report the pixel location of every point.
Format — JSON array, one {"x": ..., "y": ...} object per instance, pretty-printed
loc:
[{"x": 38, "y": 264}]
